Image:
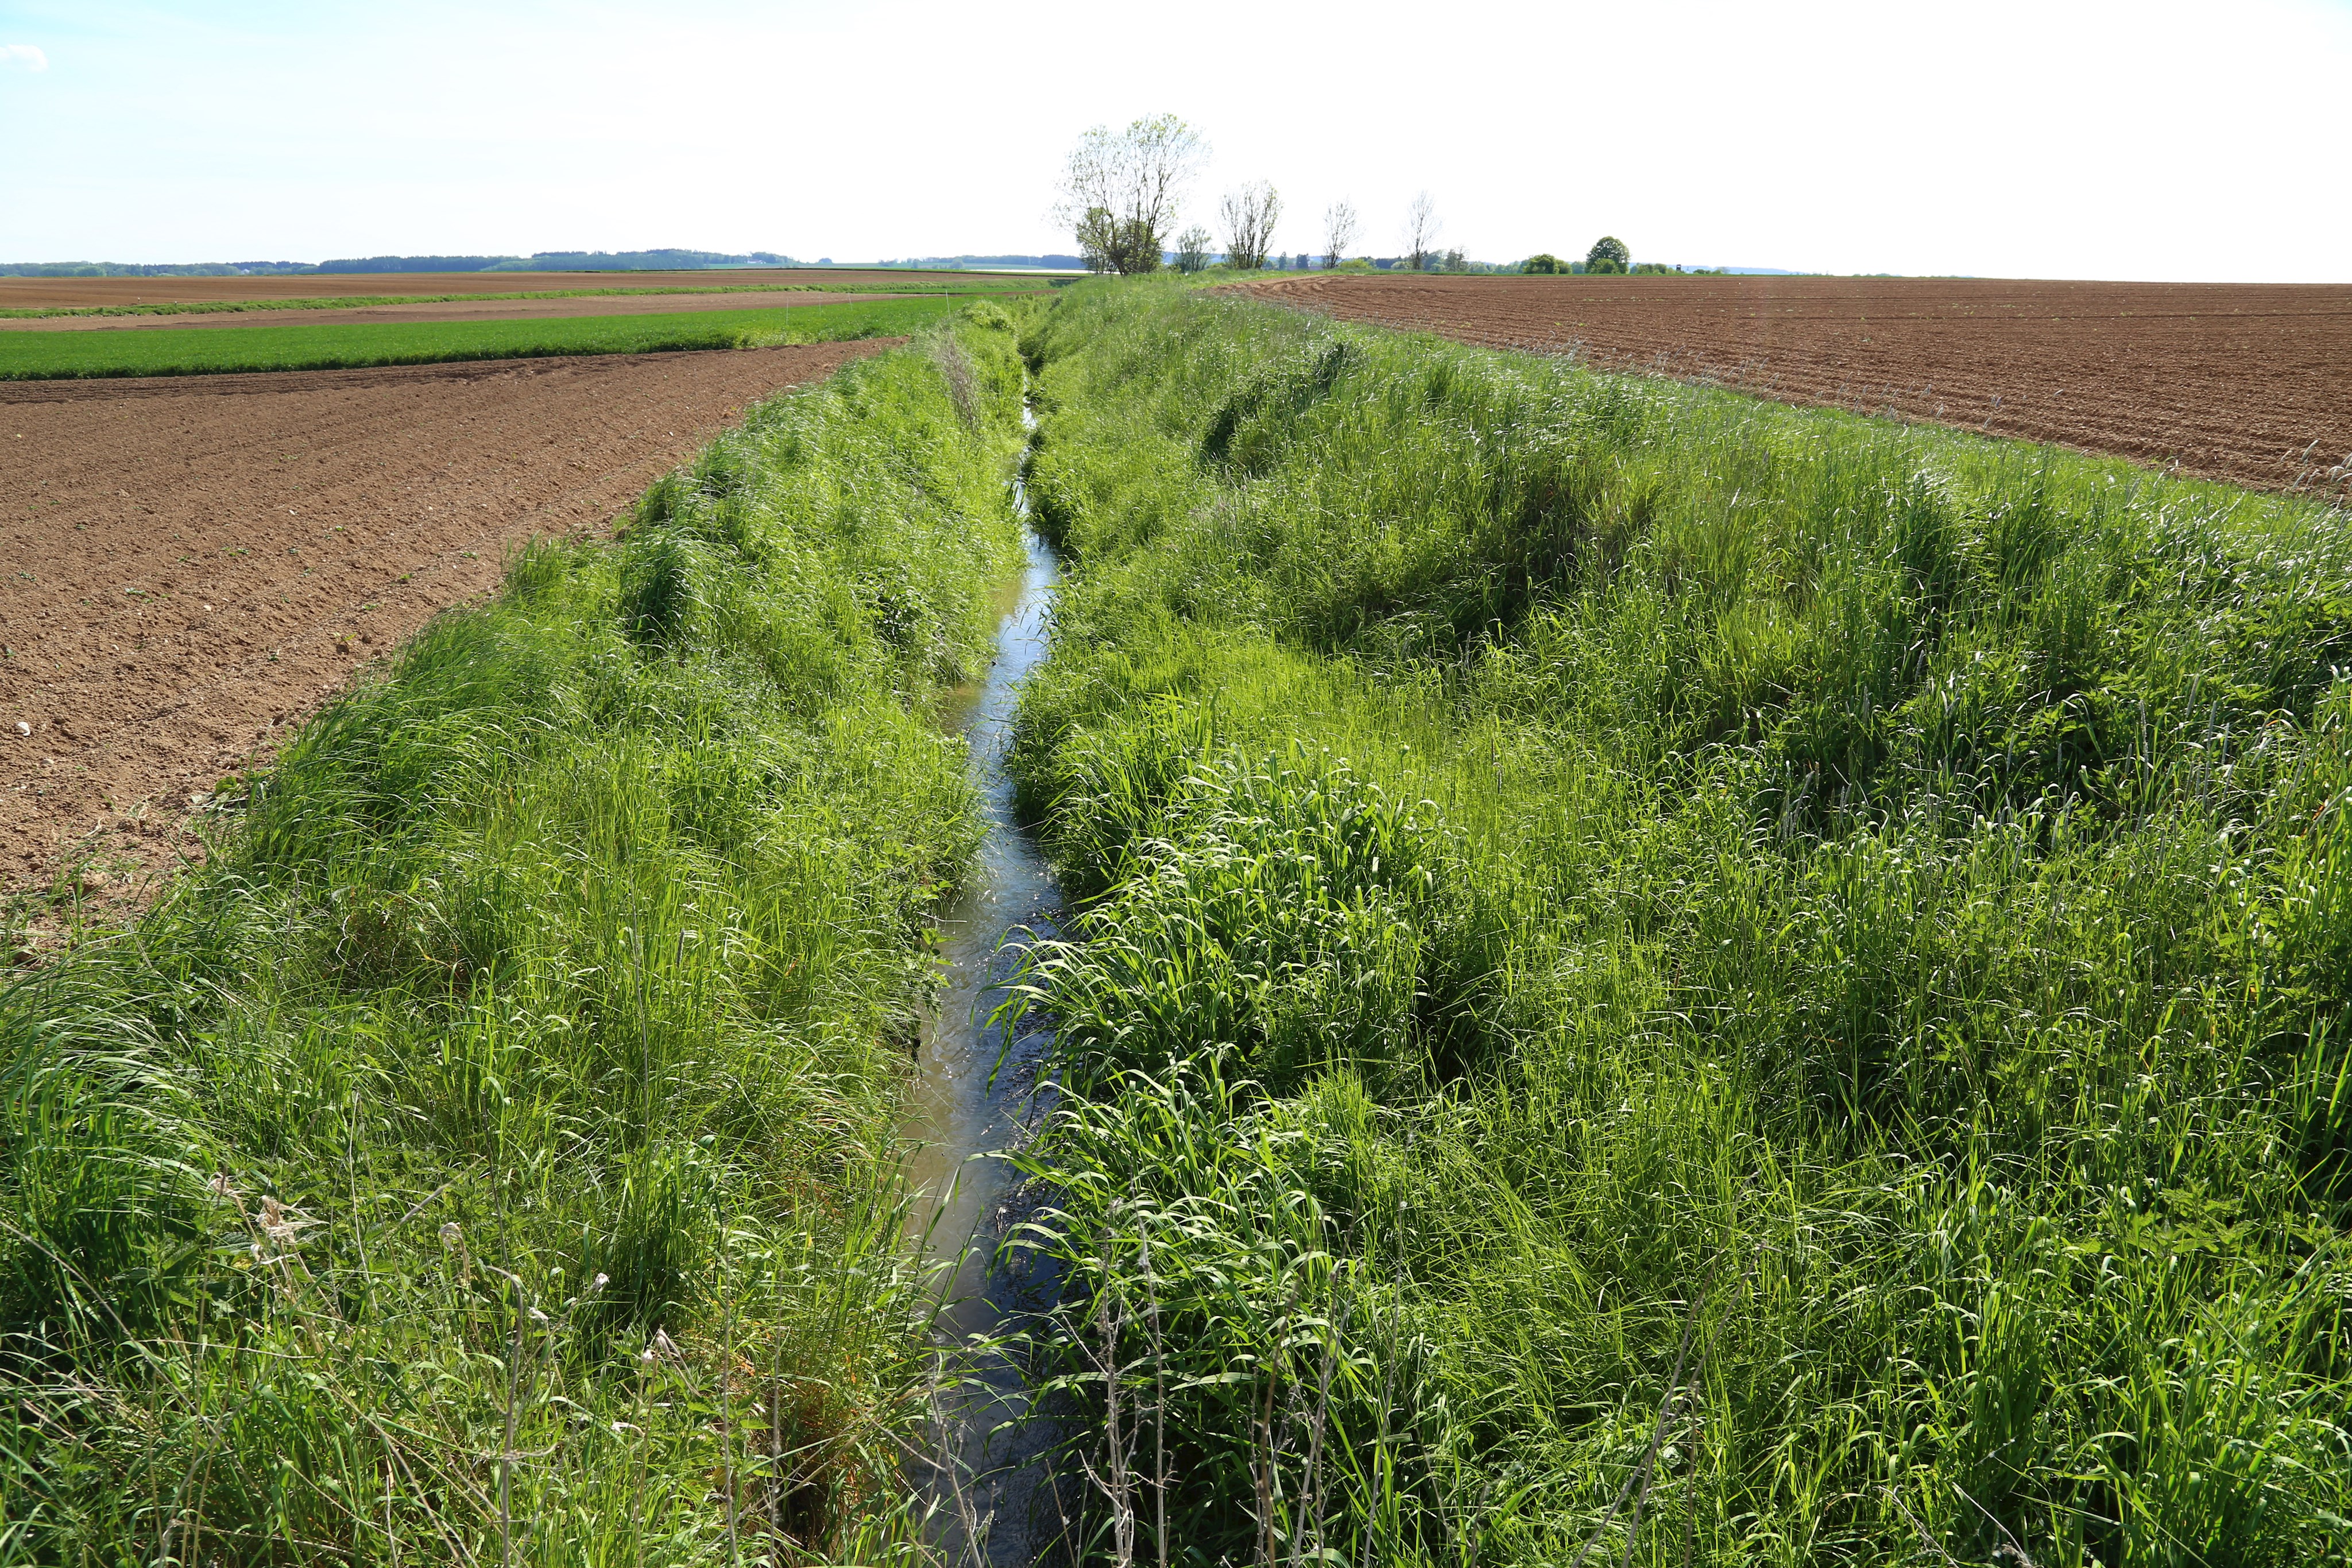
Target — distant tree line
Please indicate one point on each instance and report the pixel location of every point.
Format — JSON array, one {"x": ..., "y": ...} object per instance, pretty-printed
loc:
[
  {"x": 1610, "y": 256},
  {"x": 137, "y": 269},
  {"x": 543, "y": 261},
  {"x": 1057, "y": 263},
  {"x": 562, "y": 261},
  {"x": 1122, "y": 195}
]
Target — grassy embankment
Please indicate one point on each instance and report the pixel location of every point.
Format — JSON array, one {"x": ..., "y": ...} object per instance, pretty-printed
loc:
[
  {"x": 490, "y": 1153},
  {"x": 959, "y": 285},
  {"x": 167, "y": 352},
  {"x": 1662, "y": 965}
]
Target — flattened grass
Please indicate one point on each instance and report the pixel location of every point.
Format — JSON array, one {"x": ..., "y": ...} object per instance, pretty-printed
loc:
[
  {"x": 167, "y": 352},
  {"x": 1671, "y": 974},
  {"x": 487, "y": 1156}
]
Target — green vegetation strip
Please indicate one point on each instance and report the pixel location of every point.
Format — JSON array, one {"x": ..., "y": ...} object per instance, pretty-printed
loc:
[
  {"x": 489, "y": 1152},
  {"x": 53, "y": 356},
  {"x": 1672, "y": 979},
  {"x": 917, "y": 283}
]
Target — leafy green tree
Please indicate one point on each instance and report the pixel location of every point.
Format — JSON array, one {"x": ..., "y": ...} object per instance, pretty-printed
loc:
[
  {"x": 1192, "y": 249},
  {"x": 1120, "y": 190},
  {"x": 1250, "y": 215},
  {"x": 1607, "y": 254},
  {"x": 1543, "y": 262}
]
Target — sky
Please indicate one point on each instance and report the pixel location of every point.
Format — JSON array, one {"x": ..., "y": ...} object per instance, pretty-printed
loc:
[{"x": 2153, "y": 139}]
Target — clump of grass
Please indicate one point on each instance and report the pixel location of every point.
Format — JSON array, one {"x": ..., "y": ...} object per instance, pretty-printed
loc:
[
  {"x": 1669, "y": 979},
  {"x": 488, "y": 1155}
]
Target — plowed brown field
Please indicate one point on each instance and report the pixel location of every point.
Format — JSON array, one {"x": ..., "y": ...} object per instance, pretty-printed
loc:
[
  {"x": 193, "y": 564},
  {"x": 2249, "y": 383}
]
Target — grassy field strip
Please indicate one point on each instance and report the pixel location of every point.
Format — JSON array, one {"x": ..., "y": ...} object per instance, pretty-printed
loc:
[
  {"x": 489, "y": 1155},
  {"x": 1681, "y": 979},
  {"x": 917, "y": 284},
  {"x": 48, "y": 356}
]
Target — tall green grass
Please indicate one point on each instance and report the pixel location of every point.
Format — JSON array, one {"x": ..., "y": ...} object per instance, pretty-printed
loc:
[
  {"x": 344, "y": 345},
  {"x": 1669, "y": 979},
  {"x": 489, "y": 1155}
]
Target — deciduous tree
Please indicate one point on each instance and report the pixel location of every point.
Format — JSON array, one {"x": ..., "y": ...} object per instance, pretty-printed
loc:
[
  {"x": 1122, "y": 189},
  {"x": 1339, "y": 229},
  {"x": 1607, "y": 254},
  {"x": 1421, "y": 227},
  {"x": 1192, "y": 249},
  {"x": 1250, "y": 215}
]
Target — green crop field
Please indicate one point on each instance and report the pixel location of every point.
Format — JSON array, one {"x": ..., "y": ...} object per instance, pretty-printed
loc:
[
  {"x": 168, "y": 351},
  {"x": 959, "y": 285},
  {"x": 1666, "y": 979}
]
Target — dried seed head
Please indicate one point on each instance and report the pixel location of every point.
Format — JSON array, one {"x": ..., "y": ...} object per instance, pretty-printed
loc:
[
  {"x": 451, "y": 1236},
  {"x": 279, "y": 1222}
]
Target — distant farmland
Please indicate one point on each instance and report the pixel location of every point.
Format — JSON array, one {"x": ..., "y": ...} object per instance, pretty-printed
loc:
[
  {"x": 151, "y": 293},
  {"x": 2242, "y": 383},
  {"x": 176, "y": 351}
]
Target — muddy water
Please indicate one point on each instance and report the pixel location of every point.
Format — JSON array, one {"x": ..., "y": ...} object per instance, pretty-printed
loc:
[{"x": 975, "y": 1096}]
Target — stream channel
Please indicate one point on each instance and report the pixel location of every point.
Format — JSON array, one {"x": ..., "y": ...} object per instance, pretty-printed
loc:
[{"x": 990, "y": 1488}]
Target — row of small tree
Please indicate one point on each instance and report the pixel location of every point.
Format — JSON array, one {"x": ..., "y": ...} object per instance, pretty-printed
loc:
[
  {"x": 1122, "y": 190},
  {"x": 1609, "y": 254}
]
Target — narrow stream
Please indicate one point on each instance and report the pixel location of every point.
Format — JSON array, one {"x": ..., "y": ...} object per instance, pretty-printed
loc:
[{"x": 972, "y": 1096}]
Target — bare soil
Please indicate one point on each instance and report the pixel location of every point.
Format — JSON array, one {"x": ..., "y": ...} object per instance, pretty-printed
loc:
[
  {"x": 637, "y": 303},
  {"x": 194, "y": 564},
  {"x": 53, "y": 293},
  {"x": 2242, "y": 383}
]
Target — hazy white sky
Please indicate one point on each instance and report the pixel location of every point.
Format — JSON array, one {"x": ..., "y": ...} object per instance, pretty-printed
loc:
[{"x": 2150, "y": 140}]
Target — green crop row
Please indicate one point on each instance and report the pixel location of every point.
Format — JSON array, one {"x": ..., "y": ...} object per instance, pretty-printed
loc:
[
  {"x": 1665, "y": 978},
  {"x": 961, "y": 285},
  {"x": 212, "y": 351},
  {"x": 488, "y": 1155}
]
